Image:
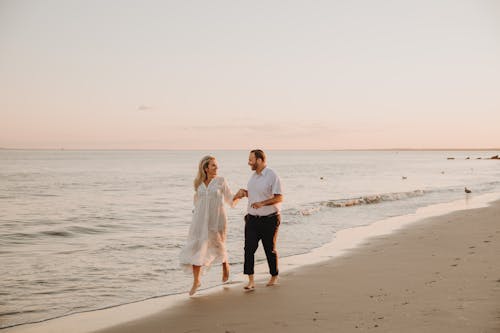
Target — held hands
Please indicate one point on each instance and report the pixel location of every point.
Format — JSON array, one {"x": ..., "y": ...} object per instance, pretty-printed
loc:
[
  {"x": 241, "y": 194},
  {"x": 244, "y": 193}
]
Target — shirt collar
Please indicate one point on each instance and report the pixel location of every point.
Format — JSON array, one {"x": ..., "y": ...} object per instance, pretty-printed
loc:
[{"x": 263, "y": 173}]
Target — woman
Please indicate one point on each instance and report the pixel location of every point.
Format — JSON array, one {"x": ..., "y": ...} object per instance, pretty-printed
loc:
[{"x": 207, "y": 235}]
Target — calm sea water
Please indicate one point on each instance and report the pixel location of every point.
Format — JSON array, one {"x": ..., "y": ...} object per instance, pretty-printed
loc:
[{"x": 83, "y": 230}]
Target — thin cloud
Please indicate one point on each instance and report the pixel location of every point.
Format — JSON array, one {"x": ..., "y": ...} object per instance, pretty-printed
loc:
[
  {"x": 143, "y": 107},
  {"x": 285, "y": 130}
]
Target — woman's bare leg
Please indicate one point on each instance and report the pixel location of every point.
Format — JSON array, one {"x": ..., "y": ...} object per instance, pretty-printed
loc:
[
  {"x": 225, "y": 271},
  {"x": 196, "y": 279}
]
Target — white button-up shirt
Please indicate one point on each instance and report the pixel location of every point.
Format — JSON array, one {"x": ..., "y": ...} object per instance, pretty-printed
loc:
[{"x": 262, "y": 187}]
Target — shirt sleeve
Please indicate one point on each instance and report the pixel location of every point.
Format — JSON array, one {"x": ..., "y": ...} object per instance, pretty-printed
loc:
[{"x": 276, "y": 185}]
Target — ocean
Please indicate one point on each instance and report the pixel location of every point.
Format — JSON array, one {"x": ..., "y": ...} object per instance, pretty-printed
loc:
[{"x": 86, "y": 230}]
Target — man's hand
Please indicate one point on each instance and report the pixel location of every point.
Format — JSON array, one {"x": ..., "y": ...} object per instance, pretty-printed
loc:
[
  {"x": 257, "y": 205},
  {"x": 277, "y": 198}
]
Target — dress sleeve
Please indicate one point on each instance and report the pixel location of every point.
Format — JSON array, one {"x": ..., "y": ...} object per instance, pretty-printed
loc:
[
  {"x": 195, "y": 198},
  {"x": 226, "y": 192}
]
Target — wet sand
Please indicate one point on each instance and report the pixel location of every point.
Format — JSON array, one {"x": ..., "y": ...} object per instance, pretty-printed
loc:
[{"x": 438, "y": 275}]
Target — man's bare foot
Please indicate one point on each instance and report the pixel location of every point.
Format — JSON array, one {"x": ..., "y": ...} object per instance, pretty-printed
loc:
[
  {"x": 195, "y": 286},
  {"x": 249, "y": 286},
  {"x": 225, "y": 272},
  {"x": 272, "y": 281}
]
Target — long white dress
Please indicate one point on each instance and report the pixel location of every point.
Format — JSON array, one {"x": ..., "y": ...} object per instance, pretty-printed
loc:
[{"x": 207, "y": 234}]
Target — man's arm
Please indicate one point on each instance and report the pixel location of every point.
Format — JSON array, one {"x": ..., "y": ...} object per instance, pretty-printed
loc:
[{"x": 277, "y": 198}]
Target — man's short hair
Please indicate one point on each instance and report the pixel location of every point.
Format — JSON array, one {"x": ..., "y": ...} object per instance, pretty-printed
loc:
[{"x": 259, "y": 154}]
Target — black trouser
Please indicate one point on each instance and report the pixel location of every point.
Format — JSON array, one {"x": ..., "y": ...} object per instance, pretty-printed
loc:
[{"x": 263, "y": 228}]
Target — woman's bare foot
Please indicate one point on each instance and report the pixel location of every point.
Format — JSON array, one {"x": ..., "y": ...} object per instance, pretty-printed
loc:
[
  {"x": 225, "y": 272},
  {"x": 272, "y": 281},
  {"x": 196, "y": 285}
]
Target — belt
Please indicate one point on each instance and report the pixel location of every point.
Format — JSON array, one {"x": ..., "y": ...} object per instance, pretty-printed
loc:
[{"x": 263, "y": 216}]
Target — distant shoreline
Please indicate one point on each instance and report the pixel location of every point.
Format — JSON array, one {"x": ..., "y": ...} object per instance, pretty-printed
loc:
[{"x": 201, "y": 149}]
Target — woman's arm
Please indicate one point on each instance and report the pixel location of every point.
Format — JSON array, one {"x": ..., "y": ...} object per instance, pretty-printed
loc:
[
  {"x": 195, "y": 198},
  {"x": 228, "y": 195},
  {"x": 240, "y": 194}
]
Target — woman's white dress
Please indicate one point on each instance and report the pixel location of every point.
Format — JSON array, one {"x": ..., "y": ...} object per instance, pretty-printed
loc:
[{"x": 206, "y": 242}]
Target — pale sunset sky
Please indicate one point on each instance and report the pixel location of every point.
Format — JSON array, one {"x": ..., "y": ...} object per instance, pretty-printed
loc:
[{"x": 337, "y": 74}]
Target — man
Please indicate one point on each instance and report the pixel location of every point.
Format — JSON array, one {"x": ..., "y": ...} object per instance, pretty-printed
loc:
[{"x": 265, "y": 195}]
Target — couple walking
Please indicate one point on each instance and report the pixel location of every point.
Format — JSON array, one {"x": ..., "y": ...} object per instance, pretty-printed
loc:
[{"x": 207, "y": 235}]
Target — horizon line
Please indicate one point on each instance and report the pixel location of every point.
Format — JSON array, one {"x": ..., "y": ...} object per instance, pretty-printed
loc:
[{"x": 279, "y": 149}]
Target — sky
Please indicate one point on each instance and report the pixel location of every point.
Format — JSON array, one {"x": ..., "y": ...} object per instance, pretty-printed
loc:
[{"x": 337, "y": 74}]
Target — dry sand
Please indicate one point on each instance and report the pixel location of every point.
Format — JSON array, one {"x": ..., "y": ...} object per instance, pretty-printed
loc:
[{"x": 439, "y": 275}]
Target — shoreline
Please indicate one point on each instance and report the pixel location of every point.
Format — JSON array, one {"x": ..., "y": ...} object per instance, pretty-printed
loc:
[{"x": 347, "y": 243}]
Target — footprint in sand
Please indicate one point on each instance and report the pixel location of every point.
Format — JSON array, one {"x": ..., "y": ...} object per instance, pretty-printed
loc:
[{"x": 280, "y": 323}]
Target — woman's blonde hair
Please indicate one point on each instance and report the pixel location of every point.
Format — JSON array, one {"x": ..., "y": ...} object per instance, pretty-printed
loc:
[{"x": 202, "y": 173}]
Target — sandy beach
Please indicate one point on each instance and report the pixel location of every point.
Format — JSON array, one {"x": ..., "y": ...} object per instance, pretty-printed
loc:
[
  {"x": 130, "y": 128},
  {"x": 440, "y": 274}
]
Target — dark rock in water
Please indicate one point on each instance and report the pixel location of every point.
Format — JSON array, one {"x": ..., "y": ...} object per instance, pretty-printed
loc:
[
  {"x": 450, "y": 158},
  {"x": 404, "y": 177},
  {"x": 467, "y": 190},
  {"x": 478, "y": 158},
  {"x": 495, "y": 157},
  {"x": 468, "y": 158}
]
